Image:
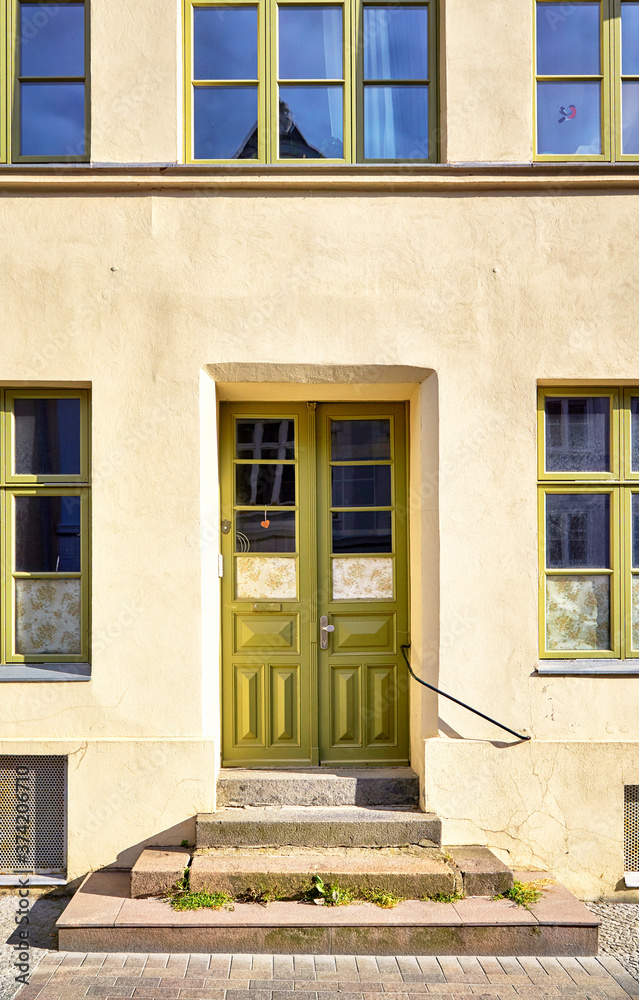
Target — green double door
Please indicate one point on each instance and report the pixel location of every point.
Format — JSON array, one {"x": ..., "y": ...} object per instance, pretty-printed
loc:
[{"x": 315, "y": 584}]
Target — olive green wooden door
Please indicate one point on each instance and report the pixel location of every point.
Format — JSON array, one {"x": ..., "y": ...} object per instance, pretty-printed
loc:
[{"x": 315, "y": 584}]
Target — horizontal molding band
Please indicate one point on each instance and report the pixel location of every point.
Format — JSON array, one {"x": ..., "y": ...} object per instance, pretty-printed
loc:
[{"x": 541, "y": 180}]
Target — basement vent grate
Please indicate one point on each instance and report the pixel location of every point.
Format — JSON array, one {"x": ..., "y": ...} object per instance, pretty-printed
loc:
[
  {"x": 631, "y": 828},
  {"x": 32, "y": 815}
]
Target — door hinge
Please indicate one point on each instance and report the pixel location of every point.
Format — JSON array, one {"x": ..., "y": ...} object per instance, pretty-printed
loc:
[{"x": 220, "y": 565}]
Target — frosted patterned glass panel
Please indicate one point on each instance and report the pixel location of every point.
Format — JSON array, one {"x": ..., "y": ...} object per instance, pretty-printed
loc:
[
  {"x": 635, "y": 612},
  {"x": 48, "y": 616},
  {"x": 363, "y": 579},
  {"x": 578, "y": 612},
  {"x": 264, "y": 579}
]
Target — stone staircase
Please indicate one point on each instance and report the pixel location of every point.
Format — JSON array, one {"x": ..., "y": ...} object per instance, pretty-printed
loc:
[{"x": 361, "y": 829}]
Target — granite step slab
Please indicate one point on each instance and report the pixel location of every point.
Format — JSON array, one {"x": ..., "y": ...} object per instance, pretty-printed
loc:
[
  {"x": 318, "y": 786},
  {"x": 101, "y": 918},
  {"x": 482, "y": 873},
  {"x": 314, "y": 826},
  {"x": 411, "y": 872}
]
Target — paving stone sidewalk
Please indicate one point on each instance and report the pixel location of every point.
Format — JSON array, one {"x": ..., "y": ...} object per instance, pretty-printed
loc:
[{"x": 71, "y": 976}]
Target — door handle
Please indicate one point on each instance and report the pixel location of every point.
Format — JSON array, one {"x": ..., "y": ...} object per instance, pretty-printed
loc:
[{"x": 325, "y": 628}]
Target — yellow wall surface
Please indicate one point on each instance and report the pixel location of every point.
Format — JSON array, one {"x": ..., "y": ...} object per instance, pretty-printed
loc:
[{"x": 137, "y": 295}]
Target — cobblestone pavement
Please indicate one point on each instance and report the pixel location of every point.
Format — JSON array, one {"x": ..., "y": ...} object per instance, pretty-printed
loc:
[
  {"x": 619, "y": 932},
  {"x": 71, "y": 976}
]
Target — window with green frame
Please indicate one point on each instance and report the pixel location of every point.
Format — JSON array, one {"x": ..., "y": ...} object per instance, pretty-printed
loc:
[
  {"x": 284, "y": 80},
  {"x": 589, "y": 522},
  {"x": 43, "y": 98},
  {"x": 587, "y": 79},
  {"x": 44, "y": 509}
]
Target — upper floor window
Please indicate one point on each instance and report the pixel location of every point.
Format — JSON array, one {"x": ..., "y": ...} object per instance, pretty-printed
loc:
[
  {"x": 276, "y": 81},
  {"x": 44, "y": 108},
  {"x": 587, "y": 80}
]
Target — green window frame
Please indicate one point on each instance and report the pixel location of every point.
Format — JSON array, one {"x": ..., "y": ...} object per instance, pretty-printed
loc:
[
  {"x": 356, "y": 88},
  {"x": 615, "y": 80},
  {"x": 578, "y": 550},
  {"x": 30, "y": 94},
  {"x": 44, "y": 610}
]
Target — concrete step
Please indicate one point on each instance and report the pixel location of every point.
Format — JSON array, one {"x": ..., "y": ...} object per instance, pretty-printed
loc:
[
  {"x": 411, "y": 872},
  {"x": 482, "y": 873},
  {"x": 318, "y": 786},
  {"x": 313, "y": 826},
  {"x": 101, "y": 918}
]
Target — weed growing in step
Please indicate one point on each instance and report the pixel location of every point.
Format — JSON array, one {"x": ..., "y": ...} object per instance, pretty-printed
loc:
[
  {"x": 329, "y": 893},
  {"x": 381, "y": 897},
  {"x": 444, "y": 897},
  {"x": 524, "y": 893},
  {"x": 201, "y": 900},
  {"x": 181, "y": 898}
]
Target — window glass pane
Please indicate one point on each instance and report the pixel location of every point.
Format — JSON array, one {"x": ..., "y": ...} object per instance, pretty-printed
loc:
[
  {"x": 630, "y": 116},
  {"x": 360, "y": 440},
  {"x": 395, "y": 123},
  {"x": 48, "y": 616},
  {"x": 47, "y": 534},
  {"x": 568, "y": 39},
  {"x": 361, "y": 485},
  {"x": 51, "y": 39},
  {"x": 264, "y": 485},
  {"x": 635, "y": 613},
  {"x": 395, "y": 43},
  {"x": 265, "y": 439},
  {"x": 52, "y": 119},
  {"x": 569, "y": 118},
  {"x": 225, "y": 43},
  {"x": 578, "y": 434},
  {"x": 578, "y": 612},
  {"x": 362, "y": 531},
  {"x": 47, "y": 437},
  {"x": 225, "y": 123},
  {"x": 310, "y": 43},
  {"x": 630, "y": 38},
  {"x": 634, "y": 426},
  {"x": 273, "y": 533},
  {"x": 578, "y": 530},
  {"x": 311, "y": 122},
  {"x": 635, "y": 531}
]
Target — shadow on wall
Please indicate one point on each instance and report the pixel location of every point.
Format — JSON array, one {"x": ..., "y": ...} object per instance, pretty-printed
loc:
[{"x": 172, "y": 837}]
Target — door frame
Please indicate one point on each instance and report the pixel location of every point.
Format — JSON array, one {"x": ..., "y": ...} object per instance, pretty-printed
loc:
[
  {"x": 244, "y": 680},
  {"x": 284, "y": 380}
]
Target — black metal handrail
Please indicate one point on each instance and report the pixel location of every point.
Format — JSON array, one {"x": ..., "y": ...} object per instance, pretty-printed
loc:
[{"x": 456, "y": 700}]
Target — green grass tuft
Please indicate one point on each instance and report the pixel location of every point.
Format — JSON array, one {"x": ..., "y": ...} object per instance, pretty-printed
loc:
[
  {"x": 523, "y": 893},
  {"x": 381, "y": 897},
  {"x": 445, "y": 897},
  {"x": 201, "y": 900}
]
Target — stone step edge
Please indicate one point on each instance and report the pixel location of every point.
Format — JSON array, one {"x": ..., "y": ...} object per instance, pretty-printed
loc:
[
  {"x": 240, "y": 787},
  {"x": 473, "y": 871},
  {"x": 313, "y": 826},
  {"x": 100, "y": 917}
]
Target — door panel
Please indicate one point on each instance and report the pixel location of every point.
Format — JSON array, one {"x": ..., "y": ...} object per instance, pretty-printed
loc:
[
  {"x": 363, "y": 581},
  {"x": 313, "y": 505},
  {"x": 268, "y": 637}
]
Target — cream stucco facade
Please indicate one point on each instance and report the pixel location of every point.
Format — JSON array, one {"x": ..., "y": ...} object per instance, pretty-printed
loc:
[{"x": 165, "y": 289}]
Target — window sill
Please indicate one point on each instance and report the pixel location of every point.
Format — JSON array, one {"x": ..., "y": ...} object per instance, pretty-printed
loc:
[
  {"x": 19, "y": 672},
  {"x": 588, "y": 667}
]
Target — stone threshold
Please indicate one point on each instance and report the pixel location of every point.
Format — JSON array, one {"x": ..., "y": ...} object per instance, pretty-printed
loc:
[{"x": 102, "y": 918}]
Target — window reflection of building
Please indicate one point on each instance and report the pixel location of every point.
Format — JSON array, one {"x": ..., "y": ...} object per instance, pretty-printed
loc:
[{"x": 293, "y": 145}]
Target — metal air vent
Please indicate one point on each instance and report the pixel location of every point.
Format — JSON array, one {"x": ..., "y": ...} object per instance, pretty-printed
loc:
[{"x": 32, "y": 815}]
